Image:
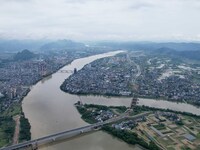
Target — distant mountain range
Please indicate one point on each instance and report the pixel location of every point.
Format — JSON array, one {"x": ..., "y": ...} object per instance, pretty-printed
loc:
[
  {"x": 181, "y": 50},
  {"x": 18, "y": 45},
  {"x": 62, "y": 45},
  {"x": 186, "y": 50},
  {"x": 195, "y": 55},
  {"x": 37, "y": 45},
  {"x": 152, "y": 46}
]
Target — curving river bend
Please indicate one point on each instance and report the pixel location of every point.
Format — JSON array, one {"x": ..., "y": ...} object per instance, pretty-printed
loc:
[{"x": 50, "y": 110}]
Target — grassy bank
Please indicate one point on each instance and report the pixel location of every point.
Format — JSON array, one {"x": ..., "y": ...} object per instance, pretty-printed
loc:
[
  {"x": 7, "y": 128},
  {"x": 125, "y": 135},
  {"x": 129, "y": 137},
  {"x": 85, "y": 115},
  {"x": 147, "y": 108},
  {"x": 25, "y": 127},
  {"x": 7, "y": 125}
]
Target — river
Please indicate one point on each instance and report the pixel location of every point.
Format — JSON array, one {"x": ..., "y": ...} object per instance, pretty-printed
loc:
[{"x": 50, "y": 110}]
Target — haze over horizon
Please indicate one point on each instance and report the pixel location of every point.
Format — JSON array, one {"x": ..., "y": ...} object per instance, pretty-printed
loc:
[{"x": 130, "y": 20}]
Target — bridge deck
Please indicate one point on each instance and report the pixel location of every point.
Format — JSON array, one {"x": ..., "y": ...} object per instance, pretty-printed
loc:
[{"x": 68, "y": 134}]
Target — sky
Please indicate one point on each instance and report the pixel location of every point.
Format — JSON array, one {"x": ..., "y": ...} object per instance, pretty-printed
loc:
[{"x": 93, "y": 20}]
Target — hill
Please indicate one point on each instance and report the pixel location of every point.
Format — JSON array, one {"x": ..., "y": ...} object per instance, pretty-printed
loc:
[
  {"x": 24, "y": 55},
  {"x": 147, "y": 46},
  {"x": 193, "y": 55},
  {"x": 62, "y": 45}
]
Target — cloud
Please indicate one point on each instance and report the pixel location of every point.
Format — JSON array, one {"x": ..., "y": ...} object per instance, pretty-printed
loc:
[
  {"x": 141, "y": 6},
  {"x": 100, "y": 19}
]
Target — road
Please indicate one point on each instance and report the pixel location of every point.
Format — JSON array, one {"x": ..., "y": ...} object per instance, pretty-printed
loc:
[
  {"x": 17, "y": 126},
  {"x": 50, "y": 138},
  {"x": 34, "y": 144},
  {"x": 137, "y": 66}
]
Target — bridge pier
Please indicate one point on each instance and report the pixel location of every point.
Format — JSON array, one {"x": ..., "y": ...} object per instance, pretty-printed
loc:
[{"x": 34, "y": 146}]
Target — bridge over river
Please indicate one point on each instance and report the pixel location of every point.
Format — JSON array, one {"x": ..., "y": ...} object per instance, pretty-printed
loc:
[
  {"x": 34, "y": 144},
  {"x": 65, "y": 71}
]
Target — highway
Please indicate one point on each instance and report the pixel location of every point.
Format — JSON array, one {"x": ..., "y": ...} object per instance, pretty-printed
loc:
[{"x": 34, "y": 144}]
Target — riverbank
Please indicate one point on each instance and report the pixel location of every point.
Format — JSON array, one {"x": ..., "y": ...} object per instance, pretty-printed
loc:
[
  {"x": 130, "y": 138},
  {"x": 169, "y": 125},
  {"x": 14, "y": 131},
  {"x": 158, "y": 102},
  {"x": 46, "y": 111},
  {"x": 13, "y": 125},
  {"x": 62, "y": 87},
  {"x": 40, "y": 103},
  {"x": 122, "y": 76},
  {"x": 90, "y": 113}
]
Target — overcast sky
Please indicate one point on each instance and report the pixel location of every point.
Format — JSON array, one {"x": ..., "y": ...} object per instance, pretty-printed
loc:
[{"x": 127, "y": 20}]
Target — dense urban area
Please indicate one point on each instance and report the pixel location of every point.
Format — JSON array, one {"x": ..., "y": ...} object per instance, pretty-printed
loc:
[
  {"x": 17, "y": 75},
  {"x": 138, "y": 73},
  {"x": 18, "y": 72}
]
